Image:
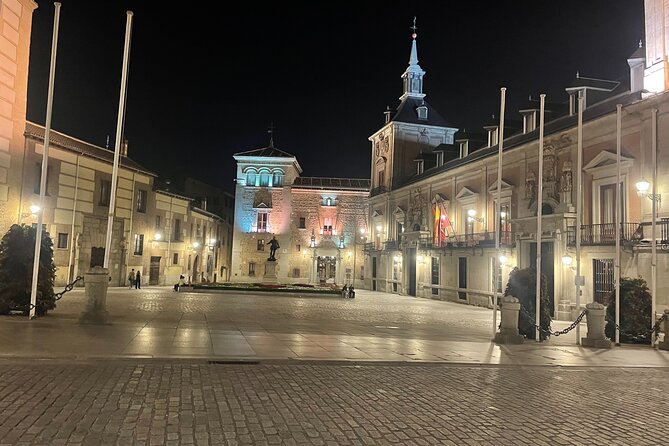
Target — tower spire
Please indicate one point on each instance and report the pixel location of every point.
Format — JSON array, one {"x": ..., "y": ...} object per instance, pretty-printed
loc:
[
  {"x": 270, "y": 130},
  {"x": 413, "y": 76}
]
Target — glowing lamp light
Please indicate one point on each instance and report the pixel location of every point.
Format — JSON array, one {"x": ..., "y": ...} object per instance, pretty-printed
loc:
[
  {"x": 378, "y": 228},
  {"x": 196, "y": 244},
  {"x": 396, "y": 258},
  {"x": 157, "y": 236},
  {"x": 419, "y": 258},
  {"x": 642, "y": 186},
  {"x": 35, "y": 209},
  {"x": 471, "y": 213},
  {"x": 503, "y": 259},
  {"x": 212, "y": 241},
  {"x": 502, "y": 214},
  {"x": 362, "y": 230},
  {"x": 566, "y": 260}
]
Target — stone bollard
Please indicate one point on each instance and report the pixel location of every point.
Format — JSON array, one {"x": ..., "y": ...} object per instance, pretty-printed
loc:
[
  {"x": 96, "y": 281},
  {"x": 508, "y": 332},
  {"x": 665, "y": 345},
  {"x": 596, "y": 318}
]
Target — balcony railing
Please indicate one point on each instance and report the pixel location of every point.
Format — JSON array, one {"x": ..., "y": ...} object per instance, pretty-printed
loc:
[
  {"x": 604, "y": 234},
  {"x": 370, "y": 246},
  {"x": 390, "y": 245},
  {"x": 480, "y": 240}
]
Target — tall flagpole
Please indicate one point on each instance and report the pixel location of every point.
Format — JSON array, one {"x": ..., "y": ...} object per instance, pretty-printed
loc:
[
  {"x": 45, "y": 161},
  {"x": 617, "y": 219},
  {"x": 540, "y": 195},
  {"x": 653, "y": 255},
  {"x": 498, "y": 208},
  {"x": 119, "y": 136},
  {"x": 579, "y": 211}
]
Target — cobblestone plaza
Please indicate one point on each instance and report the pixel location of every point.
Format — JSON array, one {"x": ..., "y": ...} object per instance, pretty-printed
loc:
[{"x": 186, "y": 368}]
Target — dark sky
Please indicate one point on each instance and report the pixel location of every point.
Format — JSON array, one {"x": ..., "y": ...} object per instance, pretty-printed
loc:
[{"x": 205, "y": 84}]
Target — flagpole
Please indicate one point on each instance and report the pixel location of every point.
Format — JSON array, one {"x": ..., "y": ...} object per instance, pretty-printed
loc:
[
  {"x": 579, "y": 210},
  {"x": 498, "y": 208},
  {"x": 119, "y": 136},
  {"x": 617, "y": 219},
  {"x": 45, "y": 161},
  {"x": 653, "y": 261},
  {"x": 540, "y": 194}
]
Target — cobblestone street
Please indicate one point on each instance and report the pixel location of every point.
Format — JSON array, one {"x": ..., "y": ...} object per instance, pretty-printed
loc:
[{"x": 175, "y": 403}]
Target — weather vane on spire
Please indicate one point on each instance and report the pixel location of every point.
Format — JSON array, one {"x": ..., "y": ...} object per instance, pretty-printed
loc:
[
  {"x": 270, "y": 130},
  {"x": 414, "y": 27}
]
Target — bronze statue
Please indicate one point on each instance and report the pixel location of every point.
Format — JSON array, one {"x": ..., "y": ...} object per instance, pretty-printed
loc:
[{"x": 273, "y": 246}]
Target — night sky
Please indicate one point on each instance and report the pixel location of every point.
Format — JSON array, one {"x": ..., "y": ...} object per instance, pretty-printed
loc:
[{"x": 204, "y": 85}]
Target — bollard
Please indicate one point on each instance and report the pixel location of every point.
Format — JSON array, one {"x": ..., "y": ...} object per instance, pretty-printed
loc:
[
  {"x": 508, "y": 333},
  {"x": 665, "y": 345},
  {"x": 96, "y": 281},
  {"x": 596, "y": 318}
]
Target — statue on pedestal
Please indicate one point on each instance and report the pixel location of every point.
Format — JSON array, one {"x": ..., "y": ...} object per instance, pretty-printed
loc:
[{"x": 273, "y": 246}]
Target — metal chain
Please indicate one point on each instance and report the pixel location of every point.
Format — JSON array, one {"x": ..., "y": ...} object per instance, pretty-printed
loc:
[
  {"x": 68, "y": 287},
  {"x": 655, "y": 329},
  {"x": 29, "y": 306},
  {"x": 573, "y": 325}
]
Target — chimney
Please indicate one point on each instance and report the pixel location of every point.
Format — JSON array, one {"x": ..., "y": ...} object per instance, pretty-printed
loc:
[
  {"x": 203, "y": 203},
  {"x": 388, "y": 113},
  {"x": 124, "y": 147}
]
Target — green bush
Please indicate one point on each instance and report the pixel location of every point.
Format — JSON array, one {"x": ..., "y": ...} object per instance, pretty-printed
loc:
[
  {"x": 635, "y": 312},
  {"x": 17, "y": 251},
  {"x": 522, "y": 285}
]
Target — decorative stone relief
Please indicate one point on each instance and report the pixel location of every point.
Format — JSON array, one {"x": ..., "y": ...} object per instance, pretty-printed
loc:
[{"x": 417, "y": 211}]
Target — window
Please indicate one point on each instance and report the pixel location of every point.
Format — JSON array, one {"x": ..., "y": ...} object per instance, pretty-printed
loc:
[
  {"x": 422, "y": 112},
  {"x": 252, "y": 269},
  {"x": 62, "y": 239},
  {"x": 191, "y": 230},
  {"x": 141, "y": 200},
  {"x": 298, "y": 248},
  {"x": 251, "y": 178},
  {"x": 327, "y": 226},
  {"x": 382, "y": 178},
  {"x": 262, "y": 222},
  {"x": 296, "y": 272},
  {"x": 198, "y": 233},
  {"x": 303, "y": 223},
  {"x": 105, "y": 192},
  {"x": 139, "y": 244},
  {"x": 176, "y": 235},
  {"x": 505, "y": 224},
  {"x": 261, "y": 245},
  {"x": 175, "y": 258},
  {"x": 157, "y": 221},
  {"x": 264, "y": 179},
  {"x": 189, "y": 262},
  {"x": 38, "y": 178},
  {"x": 277, "y": 179}
]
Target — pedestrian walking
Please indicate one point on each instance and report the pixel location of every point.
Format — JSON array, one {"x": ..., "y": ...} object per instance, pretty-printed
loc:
[
  {"x": 138, "y": 281},
  {"x": 131, "y": 278}
]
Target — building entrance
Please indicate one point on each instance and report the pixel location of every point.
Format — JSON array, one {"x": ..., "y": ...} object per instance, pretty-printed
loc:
[{"x": 327, "y": 268}]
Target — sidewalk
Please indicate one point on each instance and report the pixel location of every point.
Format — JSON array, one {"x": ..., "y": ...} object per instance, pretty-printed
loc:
[{"x": 155, "y": 322}]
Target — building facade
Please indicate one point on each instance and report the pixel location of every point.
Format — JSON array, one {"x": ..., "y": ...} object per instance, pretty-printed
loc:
[
  {"x": 150, "y": 228},
  {"x": 316, "y": 221},
  {"x": 434, "y": 190}
]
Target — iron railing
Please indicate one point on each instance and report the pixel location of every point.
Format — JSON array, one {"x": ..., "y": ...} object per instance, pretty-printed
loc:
[{"x": 604, "y": 234}]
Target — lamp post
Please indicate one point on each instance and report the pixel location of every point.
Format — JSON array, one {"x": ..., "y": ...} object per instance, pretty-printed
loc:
[{"x": 355, "y": 249}]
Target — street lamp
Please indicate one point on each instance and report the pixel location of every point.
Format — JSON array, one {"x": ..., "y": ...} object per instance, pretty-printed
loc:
[
  {"x": 503, "y": 259},
  {"x": 471, "y": 216},
  {"x": 157, "y": 236},
  {"x": 566, "y": 260},
  {"x": 642, "y": 187}
]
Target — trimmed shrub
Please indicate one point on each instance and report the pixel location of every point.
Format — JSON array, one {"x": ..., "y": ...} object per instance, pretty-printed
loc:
[
  {"x": 635, "y": 312},
  {"x": 522, "y": 285},
  {"x": 17, "y": 251}
]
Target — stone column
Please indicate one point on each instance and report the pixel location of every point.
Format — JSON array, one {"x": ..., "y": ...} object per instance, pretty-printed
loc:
[
  {"x": 596, "y": 317},
  {"x": 96, "y": 281},
  {"x": 665, "y": 345},
  {"x": 508, "y": 333}
]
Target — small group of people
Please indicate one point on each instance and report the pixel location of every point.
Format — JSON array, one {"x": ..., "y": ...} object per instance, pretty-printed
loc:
[
  {"x": 180, "y": 283},
  {"x": 348, "y": 291},
  {"x": 134, "y": 279}
]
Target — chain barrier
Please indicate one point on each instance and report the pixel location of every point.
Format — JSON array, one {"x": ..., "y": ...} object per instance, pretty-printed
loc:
[
  {"x": 573, "y": 325},
  {"x": 644, "y": 335},
  {"x": 58, "y": 296}
]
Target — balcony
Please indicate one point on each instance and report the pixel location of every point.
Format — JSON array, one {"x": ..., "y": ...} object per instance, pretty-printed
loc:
[
  {"x": 476, "y": 240},
  {"x": 370, "y": 246},
  {"x": 390, "y": 245},
  {"x": 605, "y": 234}
]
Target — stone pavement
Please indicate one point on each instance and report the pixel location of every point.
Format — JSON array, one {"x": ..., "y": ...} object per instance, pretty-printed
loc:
[
  {"x": 221, "y": 369},
  {"x": 158, "y": 323},
  {"x": 153, "y": 402}
]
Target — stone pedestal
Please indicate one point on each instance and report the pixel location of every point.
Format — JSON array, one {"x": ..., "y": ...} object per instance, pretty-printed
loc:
[
  {"x": 596, "y": 318},
  {"x": 270, "y": 271},
  {"x": 508, "y": 333},
  {"x": 96, "y": 281},
  {"x": 665, "y": 345}
]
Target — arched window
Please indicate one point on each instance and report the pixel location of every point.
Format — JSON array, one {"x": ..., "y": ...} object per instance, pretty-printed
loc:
[
  {"x": 277, "y": 178},
  {"x": 264, "y": 178},
  {"x": 250, "y": 177}
]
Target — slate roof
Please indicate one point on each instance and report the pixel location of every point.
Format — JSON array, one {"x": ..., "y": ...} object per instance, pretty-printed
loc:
[
  {"x": 82, "y": 147},
  {"x": 270, "y": 151},
  {"x": 406, "y": 112},
  {"x": 332, "y": 183}
]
